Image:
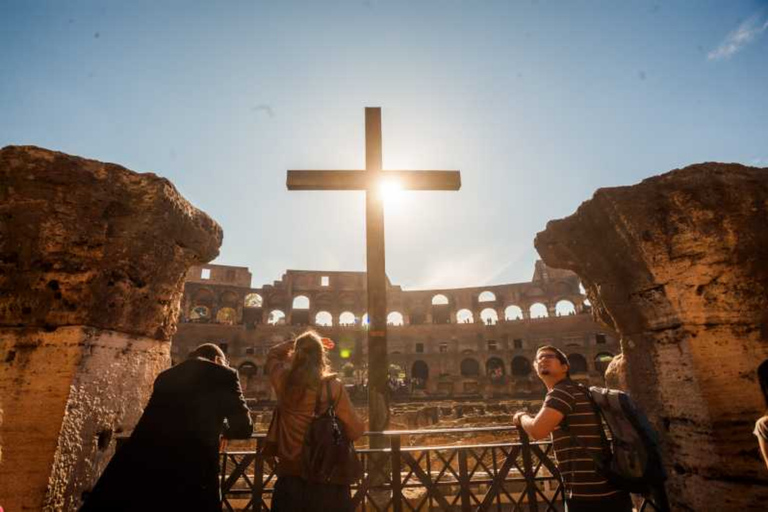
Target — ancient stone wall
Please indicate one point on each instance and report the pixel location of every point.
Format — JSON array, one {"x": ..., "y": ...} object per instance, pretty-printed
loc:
[
  {"x": 678, "y": 265},
  {"x": 92, "y": 261}
]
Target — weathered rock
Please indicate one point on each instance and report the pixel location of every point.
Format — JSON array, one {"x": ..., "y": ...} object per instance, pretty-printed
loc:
[
  {"x": 678, "y": 265},
  {"x": 92, "y": 261}
]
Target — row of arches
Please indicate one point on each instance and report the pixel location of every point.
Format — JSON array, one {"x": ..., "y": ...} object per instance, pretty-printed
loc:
[
  {"x": 495, "y": 368},
  {"x": 519, "y": 366},
  {"x": 488, "y": 316}
]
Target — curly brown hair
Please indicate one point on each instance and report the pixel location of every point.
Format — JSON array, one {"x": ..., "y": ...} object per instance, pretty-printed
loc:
[{"x": 309, "y": 365}]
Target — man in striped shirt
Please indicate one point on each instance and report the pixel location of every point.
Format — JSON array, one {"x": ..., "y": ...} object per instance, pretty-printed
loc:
[{"x": 568, "y": 407}]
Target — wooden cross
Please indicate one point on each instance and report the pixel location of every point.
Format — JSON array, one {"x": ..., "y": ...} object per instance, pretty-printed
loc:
[{"x": 371, "y": 181}]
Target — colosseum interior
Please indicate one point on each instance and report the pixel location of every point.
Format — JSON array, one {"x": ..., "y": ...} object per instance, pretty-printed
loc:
[{"x": 464, "y": 342}]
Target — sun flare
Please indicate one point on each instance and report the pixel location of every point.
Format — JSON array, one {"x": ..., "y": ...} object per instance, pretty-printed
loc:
[{"x": 390, "y": 189}]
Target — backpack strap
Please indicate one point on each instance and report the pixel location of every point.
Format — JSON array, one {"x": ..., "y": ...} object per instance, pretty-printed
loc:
[
  {"x": 599, "y": 463},
  {"x": 331, "y": 402}
]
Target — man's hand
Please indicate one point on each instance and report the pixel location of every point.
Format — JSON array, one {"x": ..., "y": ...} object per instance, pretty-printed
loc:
[{"x": 517, "y": 418}]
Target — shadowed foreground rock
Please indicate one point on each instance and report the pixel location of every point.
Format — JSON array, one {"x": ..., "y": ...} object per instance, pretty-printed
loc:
[
  {"x": 92, "y": 261},
  {"x": 678, "y": 265}
]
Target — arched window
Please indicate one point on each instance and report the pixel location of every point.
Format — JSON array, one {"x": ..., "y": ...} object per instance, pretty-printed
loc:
[
  {"x": 602, "y": 360},
  {"x": 419, "y": 374},
  {"x": 494, "y": 369},
  {"x": 301, "y": 302},
  {"x": 513, "y": 313},
  {"x": 539, "y": 310},
  {"x": 464, "y": 316},
  {"x": 247, "y": 369},
  {"x": 253, "y": 300},
  {"x": 276, "y": 317},
  {"x": 489, "y": 316},
  {"x": 439, "y": 300},
  {"x": 395, "y": 318},
  {"x": 203, "y": 296},
  {"x": 226, "y": 316},
  {"x": 228, "y": 299},
  {"x": 200, "y": 313},
  {"x": 578, "y": 364},
  {"x": 470, "y": 368},
  {"x": 486, "y": 297},
  {"x": 324, "y": 319},
  {"x": 521, "y": 367},
  {"x": 565, "y": 308},
  {"x": 347, "y": 318}
]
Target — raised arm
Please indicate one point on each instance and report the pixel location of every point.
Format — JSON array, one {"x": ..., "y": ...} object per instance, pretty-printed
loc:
[{"x": 278, "y": 360}]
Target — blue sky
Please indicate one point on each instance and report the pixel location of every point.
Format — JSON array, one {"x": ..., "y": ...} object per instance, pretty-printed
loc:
[{"x": 538, "y": 103}]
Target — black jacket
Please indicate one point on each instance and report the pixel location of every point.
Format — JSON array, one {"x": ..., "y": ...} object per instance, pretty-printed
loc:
[{"x": 170, "y": 462}]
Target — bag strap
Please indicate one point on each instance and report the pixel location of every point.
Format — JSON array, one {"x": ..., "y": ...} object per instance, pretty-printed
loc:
[{"x": 329, "y": 394}]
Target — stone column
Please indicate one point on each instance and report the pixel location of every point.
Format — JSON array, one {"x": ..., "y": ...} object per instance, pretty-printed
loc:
[
  {"x": 92, "y": 263},
  {"x": 677, "y": 265}
]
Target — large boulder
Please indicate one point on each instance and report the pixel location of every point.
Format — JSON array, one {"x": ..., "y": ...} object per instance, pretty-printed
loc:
[
  {"x": 92, "y": 262},
  {"x": 678, "y": 265}
]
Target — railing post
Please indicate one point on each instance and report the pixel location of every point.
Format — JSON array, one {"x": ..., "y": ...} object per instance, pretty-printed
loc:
[
  {"x": 397, "y": 495},
  {"x": 530, "y": 481},
  {"x": 258, "y": 475},
  {"x": 466, "y": 504}
]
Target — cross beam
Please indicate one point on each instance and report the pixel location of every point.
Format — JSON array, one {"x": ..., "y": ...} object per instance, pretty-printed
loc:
[{"x": 370, "y": 180}]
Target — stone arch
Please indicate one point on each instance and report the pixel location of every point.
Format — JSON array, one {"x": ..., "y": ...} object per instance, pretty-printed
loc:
[
  {"x": 565, "y": 308},
  {"x": 347, "y": 318},
  {"x": 229, "y": 299},
  {"x": 602, "y": 360},
  {"x": 253, "y": 300},
  {"x": 578, "y": 364},
  {"x": 226, "y": 316},
  {"x": 419, "y": 374},
  {"x": 494, "y": 369},
  {"x": 248, "y": 372},
  {"x": 276, "y": 317},
  {"x": 486, "y": 296},
  {"x": 440, "y": 300},
  {"x": 200, "y": 312},
  {"x": 470, "y": 368},
  {"x": 489, "y": 316},
  {"x": 395, "y": 318},
  {"x": 324, "y": 319},
  {"x": 521, "y": 367},
  {"x": 300, "y": 302},
  {"x": 203, "y": 296},
  {"x": 464, "y": 316},
  {"x": 538, "y": 310},
  {"x": 513, "y": 312}
]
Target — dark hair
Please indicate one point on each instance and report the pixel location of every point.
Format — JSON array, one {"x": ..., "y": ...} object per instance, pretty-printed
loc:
[
  {"x": 308, "y": 366},
  {"x": 560, "y": 356},
  {"x": 207, "y": 351},
  {"x": 762, "y": 377}
]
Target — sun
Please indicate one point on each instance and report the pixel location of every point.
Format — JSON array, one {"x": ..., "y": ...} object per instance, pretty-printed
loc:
[{"x": 390, "y": 189}]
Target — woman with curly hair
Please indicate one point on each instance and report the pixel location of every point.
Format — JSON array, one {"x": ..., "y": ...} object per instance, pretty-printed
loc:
[{"x": 298, "y": 371}]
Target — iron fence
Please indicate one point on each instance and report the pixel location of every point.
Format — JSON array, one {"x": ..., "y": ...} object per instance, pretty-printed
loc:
[{"x": 507, "y": 476}]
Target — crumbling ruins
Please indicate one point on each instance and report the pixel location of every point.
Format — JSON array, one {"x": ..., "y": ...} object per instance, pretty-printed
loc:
[
  {"x": 92, "y": 261},
  {"x": 94, "y": 257},
  {"x": 446, "y": 343},
  {"x": 678, "y": 265}
]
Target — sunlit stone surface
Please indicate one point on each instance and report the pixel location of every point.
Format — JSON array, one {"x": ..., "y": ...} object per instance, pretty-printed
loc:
[
  {"x": 92, "y": 260},
  {"x": 678, "y": 264}
]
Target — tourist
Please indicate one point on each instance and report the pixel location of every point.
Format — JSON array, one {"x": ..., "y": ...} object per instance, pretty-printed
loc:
[
  {"x": 761, "y": 427},
  {"x": 170, "y": 462},
  {"x": 297, "y": 371},
  {"x": 585, "y": 488}
]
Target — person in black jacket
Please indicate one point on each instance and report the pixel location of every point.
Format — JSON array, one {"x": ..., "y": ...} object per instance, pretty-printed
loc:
[{"x": 170, "y": 462}]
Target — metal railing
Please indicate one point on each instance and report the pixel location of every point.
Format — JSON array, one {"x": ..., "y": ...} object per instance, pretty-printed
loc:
[{"x": 505, "y": 476}]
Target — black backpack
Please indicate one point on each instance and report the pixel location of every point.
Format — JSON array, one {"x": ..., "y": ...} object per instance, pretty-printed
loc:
[
  {"x": 632, "y": 458},
  {"x": 327, "y": 456}
]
